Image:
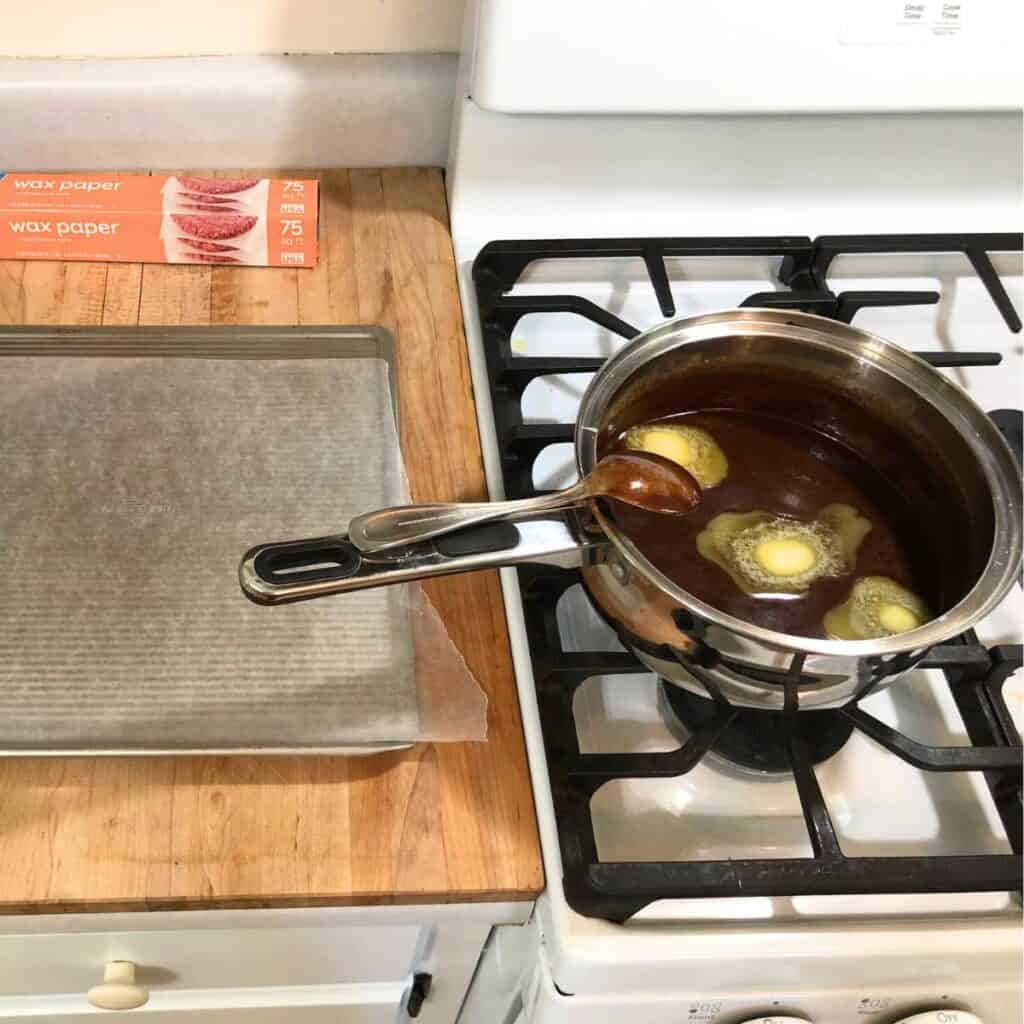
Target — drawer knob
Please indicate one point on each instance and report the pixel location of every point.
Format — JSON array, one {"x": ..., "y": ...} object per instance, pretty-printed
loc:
[{"x": 118, "y": 991}]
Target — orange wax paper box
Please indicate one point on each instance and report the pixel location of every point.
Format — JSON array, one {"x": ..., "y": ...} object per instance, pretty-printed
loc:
[{"x": 143, "y": 218}]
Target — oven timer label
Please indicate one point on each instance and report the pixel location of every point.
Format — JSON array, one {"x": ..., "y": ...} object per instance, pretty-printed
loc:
[
  {"x": 870, "y": 1005},
  {"x": 900, "y": 22},
  {"x": 702, "y": 1012}
]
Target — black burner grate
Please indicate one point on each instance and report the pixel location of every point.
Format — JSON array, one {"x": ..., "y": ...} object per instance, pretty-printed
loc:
[
  {"x": 976, "y": 676},
  {"x": 616, "y": 891}
]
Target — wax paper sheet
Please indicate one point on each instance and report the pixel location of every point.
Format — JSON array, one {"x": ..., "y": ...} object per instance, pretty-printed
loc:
[{"x": 130, "y": 489}]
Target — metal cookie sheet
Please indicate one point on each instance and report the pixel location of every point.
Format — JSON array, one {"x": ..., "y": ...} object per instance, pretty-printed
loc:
[{"x": 138, "y": 465}]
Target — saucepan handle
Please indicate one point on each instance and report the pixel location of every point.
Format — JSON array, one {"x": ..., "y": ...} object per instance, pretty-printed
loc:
[{"x": 303, "y": 569}]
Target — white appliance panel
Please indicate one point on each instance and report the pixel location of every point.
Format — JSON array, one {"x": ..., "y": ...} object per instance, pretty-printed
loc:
[
  {"x": 606, "y": 177},
  {"x": 934, "y": 1001},
  {"x": 660, "y": 57},
  {"x": 840, "y": 978}
]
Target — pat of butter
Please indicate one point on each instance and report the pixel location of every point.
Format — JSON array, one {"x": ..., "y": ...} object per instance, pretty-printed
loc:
[
  {"x": 690, "y": 447},
  {"x": 669, "y": 444},
  {"x": 897, "y": 619},
  {"x": 785, "y": 556}
]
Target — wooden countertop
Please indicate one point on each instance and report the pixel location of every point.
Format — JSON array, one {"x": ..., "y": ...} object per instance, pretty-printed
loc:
[{"x": 435, "y": 823}]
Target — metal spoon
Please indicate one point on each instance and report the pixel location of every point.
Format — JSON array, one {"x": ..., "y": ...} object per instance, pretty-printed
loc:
[{"x": 641, "y": 479}]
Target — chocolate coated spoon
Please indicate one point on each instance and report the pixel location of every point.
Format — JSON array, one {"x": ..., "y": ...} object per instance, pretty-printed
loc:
[{"x": 642, "y": 479}]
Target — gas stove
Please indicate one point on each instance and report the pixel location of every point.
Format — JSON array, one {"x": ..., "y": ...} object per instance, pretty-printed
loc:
[
  {"x": 716, "y": 740},
  {"x": 668, "y": 818},
  {"x": 613, "y": 168}
]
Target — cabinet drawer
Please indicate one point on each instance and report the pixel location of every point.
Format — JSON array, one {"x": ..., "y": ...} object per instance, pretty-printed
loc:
[
  {"x": 281, "y": 1015},
  {"x": 348, "y": 1004},
  {"x": 345, "y": 965},
  {"x": 178, "y": 960}
]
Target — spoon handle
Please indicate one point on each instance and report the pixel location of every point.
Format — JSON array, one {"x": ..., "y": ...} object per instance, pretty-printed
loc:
[{"x": 409, "y": 524}]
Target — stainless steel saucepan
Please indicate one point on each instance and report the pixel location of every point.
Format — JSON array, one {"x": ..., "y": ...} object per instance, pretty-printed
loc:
[{"x": 971, "y": 494}]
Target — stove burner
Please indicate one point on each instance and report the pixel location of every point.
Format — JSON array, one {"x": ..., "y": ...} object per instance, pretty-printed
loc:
[{"x": 758, "y": 741}]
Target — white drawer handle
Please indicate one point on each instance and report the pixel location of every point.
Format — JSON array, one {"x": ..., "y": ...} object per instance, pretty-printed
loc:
[{"x": 118, "y": 991}]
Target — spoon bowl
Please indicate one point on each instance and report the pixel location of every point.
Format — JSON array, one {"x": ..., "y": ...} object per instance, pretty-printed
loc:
[{"x": 644, "y": 480}]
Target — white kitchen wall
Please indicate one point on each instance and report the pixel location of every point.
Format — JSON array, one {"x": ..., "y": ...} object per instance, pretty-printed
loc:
[{"x": 153, "y": 28}]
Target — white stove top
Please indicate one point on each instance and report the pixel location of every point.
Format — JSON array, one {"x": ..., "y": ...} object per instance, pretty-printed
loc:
[
  {"x": 880, "y": 805},
  {"x": 713, "y": 813}
]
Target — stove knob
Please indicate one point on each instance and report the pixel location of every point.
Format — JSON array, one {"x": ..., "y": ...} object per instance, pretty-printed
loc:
[
  {"x": 777, "y": 1020},
  {"x": 941, "y": 1017}
]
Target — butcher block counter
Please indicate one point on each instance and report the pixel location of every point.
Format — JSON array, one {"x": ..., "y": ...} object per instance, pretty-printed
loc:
[{"x": 431, "y": 824}]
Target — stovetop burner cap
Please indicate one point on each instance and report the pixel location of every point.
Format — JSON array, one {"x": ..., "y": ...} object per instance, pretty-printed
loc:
[{"x": 755, "y": 740}]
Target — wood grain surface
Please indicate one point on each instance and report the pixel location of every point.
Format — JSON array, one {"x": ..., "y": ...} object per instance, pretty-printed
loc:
[{"x": 435, "y": 823}]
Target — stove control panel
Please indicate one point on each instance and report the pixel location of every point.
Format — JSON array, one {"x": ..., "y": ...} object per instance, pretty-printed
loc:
[
  {"x": 941, "y": 1017},
  {"x": 946, "y": 1016}
]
